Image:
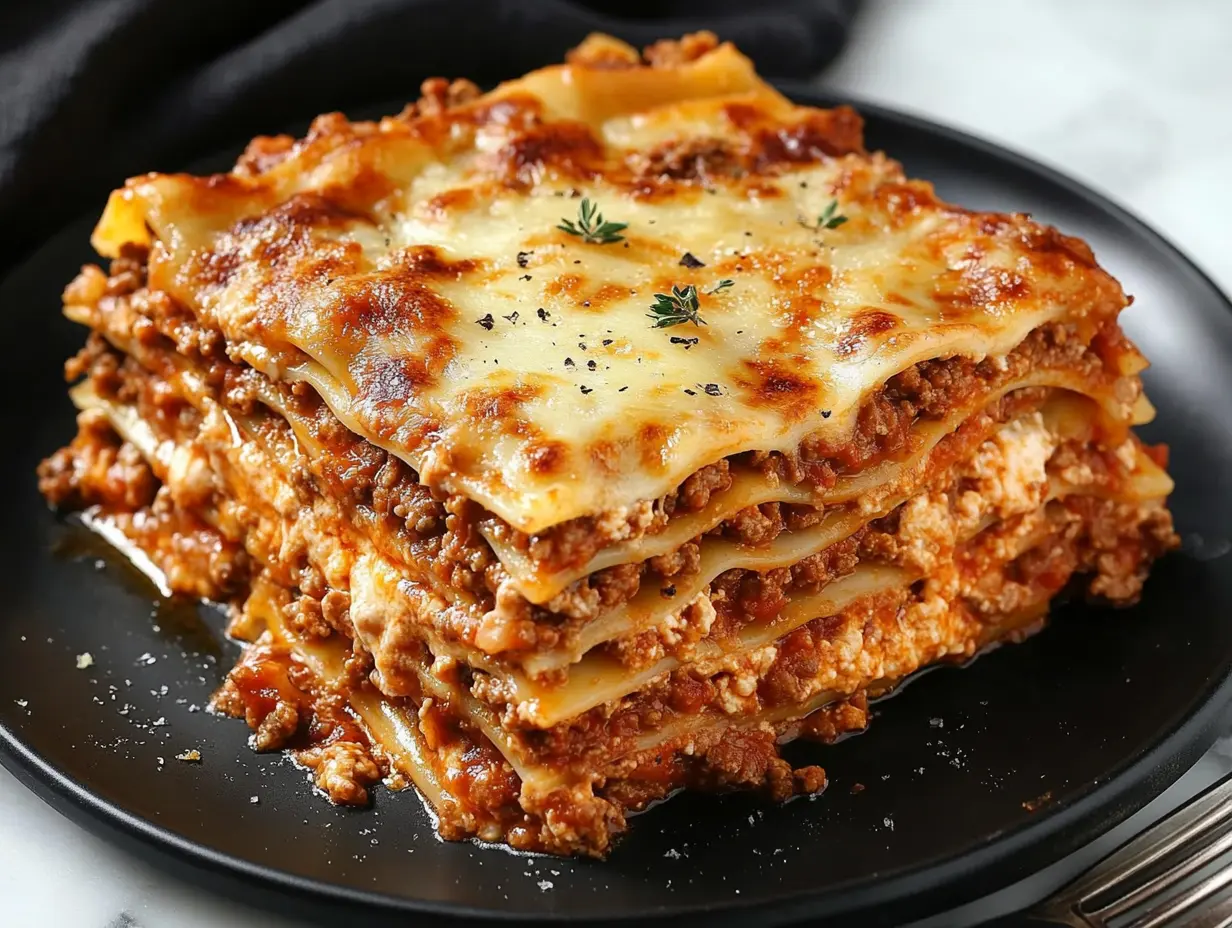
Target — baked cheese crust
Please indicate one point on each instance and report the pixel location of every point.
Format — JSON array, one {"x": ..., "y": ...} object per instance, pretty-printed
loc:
[{"x": 413, "y": 271}]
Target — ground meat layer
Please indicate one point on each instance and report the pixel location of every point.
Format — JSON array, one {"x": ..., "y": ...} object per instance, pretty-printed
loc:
[
  {"x": 286, "y": 706},
  {"x": 99, "y": 470},
  {"x": 270, "y": 496},
  {"x": 515, "y": 625},
  {"x": 120, "y": 303},
  {"x": 290, "y": 708},
  {"x": 299, "y": 541},
  {"x": 1011, "y": 571},
  {"x": 1013, "y": 565},
  {"x": 480, "y": 795}
]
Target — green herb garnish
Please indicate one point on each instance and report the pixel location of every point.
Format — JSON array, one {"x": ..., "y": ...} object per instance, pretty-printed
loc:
[
  {"x": 678, "y": 307},
  {"x": 681, "y": 305},
  {"x": 591, "y": 227},
  {"x": 828, "y": 218}
]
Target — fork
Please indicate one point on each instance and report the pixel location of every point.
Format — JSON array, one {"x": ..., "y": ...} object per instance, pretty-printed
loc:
[{"x": 1139, "y": 885}]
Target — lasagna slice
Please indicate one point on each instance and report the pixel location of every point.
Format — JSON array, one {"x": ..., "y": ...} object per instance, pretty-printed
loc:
[{"x": 560, "y": 447}]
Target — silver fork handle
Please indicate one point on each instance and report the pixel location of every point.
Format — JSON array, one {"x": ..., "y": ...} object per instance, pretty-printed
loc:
[{"x": 1131, "y": 885}]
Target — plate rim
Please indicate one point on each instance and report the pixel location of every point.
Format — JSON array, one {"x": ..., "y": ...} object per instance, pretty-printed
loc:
[{"x": 998, "y": 860}]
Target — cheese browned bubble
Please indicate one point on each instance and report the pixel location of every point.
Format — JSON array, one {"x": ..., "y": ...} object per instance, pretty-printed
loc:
[{"x": 412, "y": 271}]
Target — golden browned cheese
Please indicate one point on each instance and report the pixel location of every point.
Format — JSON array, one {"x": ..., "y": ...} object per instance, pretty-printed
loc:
[{"x": 412, "y": 270}]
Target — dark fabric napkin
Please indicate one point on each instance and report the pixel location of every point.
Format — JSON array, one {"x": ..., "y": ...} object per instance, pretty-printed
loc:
[{"x": 92, "y": 91}]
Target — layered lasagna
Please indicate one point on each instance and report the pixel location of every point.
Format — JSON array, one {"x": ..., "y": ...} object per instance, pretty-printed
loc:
[{"x": 560, "y": 447}]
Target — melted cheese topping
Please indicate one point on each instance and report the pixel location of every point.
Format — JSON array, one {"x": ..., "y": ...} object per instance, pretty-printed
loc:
[{"x": 412, "y": 271}]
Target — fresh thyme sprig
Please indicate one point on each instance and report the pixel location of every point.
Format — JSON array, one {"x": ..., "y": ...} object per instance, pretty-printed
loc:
[
  {"x": 591, "y": 227},
  {"x": 681, "y": 305},
  {"x": 676, "y": 308},
  {"x": 830, "y": 218}
]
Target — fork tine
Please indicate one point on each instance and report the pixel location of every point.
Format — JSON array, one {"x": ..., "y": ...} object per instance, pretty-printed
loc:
[
  {"x": 1218, "y": 915},
  {"x": 1148, "y": 848},
  {"x": 1174, "y": 874},
  {"x": 1184, "y": 901}
]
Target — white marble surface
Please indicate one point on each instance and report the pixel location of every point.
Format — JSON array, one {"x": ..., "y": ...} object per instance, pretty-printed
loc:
[{"x": 1133, "y": 97}]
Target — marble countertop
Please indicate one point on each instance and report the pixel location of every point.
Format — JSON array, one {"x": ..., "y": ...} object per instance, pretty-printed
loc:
[{"x": 1134, "y": 98}]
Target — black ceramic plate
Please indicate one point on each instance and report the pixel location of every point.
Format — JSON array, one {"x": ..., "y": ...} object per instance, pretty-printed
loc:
[{"x": 972, "y": 777}]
